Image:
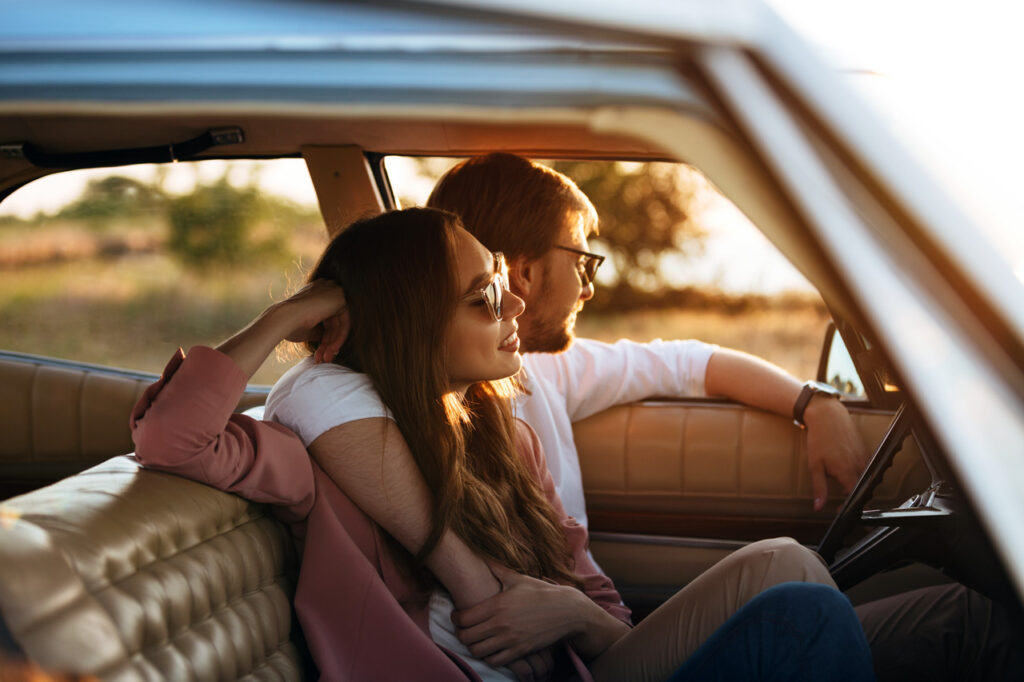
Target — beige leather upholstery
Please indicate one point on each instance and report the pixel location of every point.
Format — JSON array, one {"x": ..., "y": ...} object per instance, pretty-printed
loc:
[
  {"x": 130, "y": 574},
  {"x": 710, "y": 458},
  {"x": 700, "y": 459},
  {"x": 59, "y": 417}
]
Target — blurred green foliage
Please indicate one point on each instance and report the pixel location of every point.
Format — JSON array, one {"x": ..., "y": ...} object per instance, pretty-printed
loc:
[
  {"x": 114, "y": 198},
  {"x": 218, "y": 223},
  {"x": 211, "y": 225}
]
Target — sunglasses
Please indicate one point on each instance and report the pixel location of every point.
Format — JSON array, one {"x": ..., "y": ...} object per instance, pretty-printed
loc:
[
  {"x": 493, "y": 294},
  {"x": 588, "y": 266}
]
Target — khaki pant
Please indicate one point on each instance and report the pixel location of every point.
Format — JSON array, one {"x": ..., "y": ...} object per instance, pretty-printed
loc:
[{"x": 656, "y": 647}]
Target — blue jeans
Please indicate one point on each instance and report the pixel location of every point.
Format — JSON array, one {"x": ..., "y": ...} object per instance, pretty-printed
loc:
[{"x": 789, "y": 633}]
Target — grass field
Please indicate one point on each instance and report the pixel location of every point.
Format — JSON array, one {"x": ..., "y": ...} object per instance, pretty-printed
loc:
[
  {"x": 790, "y": 337},
  {"x": 131, "y": 306}
]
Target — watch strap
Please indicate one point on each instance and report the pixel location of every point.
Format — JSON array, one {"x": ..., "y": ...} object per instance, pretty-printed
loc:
[{"x": 808, "y": 391}]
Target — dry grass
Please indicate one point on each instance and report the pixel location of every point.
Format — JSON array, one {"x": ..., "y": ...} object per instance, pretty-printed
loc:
[
  {"x": 789, "y": 337},
  {"x": 132, "y": 311},
  {"x": 132, "y": 307}
]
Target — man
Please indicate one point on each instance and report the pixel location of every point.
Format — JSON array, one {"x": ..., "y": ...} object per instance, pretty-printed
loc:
[{"x": 541, "y": 221}]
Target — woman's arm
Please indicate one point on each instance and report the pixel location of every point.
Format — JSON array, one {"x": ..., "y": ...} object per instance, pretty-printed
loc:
[
  {"x": 531, "y": 614},
  {"x": 184, "y": 423},
  {"x": 316, "y": 311},
  {"x": 386, "y": 486}
]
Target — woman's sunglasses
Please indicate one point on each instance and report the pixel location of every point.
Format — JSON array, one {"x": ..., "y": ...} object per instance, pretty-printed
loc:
[
  {"x": 588, "y": 266},
  {"x": 493, "y": 294}
]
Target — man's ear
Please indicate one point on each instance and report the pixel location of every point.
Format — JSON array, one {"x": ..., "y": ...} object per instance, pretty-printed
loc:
[{"x": 523, "y": 276}]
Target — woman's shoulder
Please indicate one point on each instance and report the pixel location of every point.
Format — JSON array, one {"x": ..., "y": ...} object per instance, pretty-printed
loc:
[
  {"x": 312, "y": 398},
  {"x": 308, "y": 376},
  {"x": 528, "y": 444}
]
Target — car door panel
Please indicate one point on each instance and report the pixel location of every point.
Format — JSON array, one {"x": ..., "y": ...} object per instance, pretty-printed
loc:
[
  {"x": 715, "y": 469},
  {"x": 674, "y": 486},
  {"x": 60, "y": 417}
]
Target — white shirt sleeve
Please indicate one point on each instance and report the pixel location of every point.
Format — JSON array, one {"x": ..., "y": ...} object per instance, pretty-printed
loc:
[
  {"x": 311, "y": 399},
  {"x": 593, "y": 376}
]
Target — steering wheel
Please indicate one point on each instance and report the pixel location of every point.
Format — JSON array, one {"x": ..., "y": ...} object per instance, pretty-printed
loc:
[{"x": 899, "y": 527}]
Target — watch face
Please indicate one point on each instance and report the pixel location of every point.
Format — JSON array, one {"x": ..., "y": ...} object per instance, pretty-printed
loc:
[{"x": 822, "y": 387}]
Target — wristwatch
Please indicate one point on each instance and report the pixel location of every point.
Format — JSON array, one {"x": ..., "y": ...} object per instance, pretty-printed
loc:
[{"x": 809, "y": 390}]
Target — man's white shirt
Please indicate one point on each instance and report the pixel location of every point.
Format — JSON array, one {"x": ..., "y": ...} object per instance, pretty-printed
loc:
[{"x": 592, "y": 376}]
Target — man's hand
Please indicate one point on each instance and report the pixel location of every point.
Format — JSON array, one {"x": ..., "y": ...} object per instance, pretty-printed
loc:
[{"x": 834, "y": 446}]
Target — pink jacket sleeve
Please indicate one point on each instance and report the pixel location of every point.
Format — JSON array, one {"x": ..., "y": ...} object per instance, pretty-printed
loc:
[
  {"x": 597, "y": 585},
  {"x": 184, "y": 424}
]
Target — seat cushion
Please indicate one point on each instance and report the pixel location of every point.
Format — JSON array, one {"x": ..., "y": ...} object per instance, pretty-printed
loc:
[{"x": 126, "y": 573}]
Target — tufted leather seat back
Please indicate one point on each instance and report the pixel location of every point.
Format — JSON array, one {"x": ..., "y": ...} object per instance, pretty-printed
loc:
[
  {"x": 130, "y": 574},
  {"x": 59, "y": 417}
]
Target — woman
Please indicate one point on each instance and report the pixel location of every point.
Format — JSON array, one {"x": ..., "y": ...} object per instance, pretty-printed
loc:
[{"x": 434, "y": 332}]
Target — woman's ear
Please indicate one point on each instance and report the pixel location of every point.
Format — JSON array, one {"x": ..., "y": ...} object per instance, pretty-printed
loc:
[{"x": 523, "y": 276}]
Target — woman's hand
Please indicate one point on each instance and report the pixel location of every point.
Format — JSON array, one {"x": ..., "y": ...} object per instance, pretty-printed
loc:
[
  {"x": 317, "y": 312},
  {"x": 535, "y": 667},
  {"x": 517, "y": 626},
  {"x": 530, "y": 615}
]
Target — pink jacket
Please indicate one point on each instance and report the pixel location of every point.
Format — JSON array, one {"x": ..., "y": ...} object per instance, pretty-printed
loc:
[{"x": 357, "y": 604}]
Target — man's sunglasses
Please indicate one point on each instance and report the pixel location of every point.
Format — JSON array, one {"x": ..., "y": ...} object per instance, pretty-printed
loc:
[
  {"x": 493, "y": 294},
  {"x": 588, "y": 266}
]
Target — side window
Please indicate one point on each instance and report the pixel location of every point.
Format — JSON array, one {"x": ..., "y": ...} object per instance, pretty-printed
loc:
[
  {"x": 682, "y": 262},
  {"x": 840, "y": 370},
  {"x": 120, "y": 266}
]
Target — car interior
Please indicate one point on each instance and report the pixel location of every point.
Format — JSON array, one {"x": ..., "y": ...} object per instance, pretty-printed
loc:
[
  {"x": 115, "y": 571},
  {"x": 101, "y": 571}
]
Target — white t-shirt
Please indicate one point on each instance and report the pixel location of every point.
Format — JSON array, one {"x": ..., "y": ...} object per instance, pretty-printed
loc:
[
  {"x": 311, "y": 399},
  {"x": 592, "y": 376}
]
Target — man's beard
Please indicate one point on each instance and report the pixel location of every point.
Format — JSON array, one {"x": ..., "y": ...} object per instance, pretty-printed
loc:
[{"x": 550, "y": 336}]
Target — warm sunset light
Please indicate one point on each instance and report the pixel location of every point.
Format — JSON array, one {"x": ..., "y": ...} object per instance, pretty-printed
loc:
[{"x": 945, "y": 75}]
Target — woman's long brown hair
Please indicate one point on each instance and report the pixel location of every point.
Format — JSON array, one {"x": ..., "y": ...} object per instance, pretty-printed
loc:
[{"x": 398, "y": 271}]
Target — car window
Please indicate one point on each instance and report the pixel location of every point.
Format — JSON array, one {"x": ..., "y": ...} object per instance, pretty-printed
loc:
[
  {"x": 840, "y": 371},
  {"x": 120, "y": 266},
  {"x": 682, "y": 262}
]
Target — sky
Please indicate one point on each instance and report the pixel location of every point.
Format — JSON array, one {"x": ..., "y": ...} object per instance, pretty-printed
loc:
[{"x": 944, "y": 75}]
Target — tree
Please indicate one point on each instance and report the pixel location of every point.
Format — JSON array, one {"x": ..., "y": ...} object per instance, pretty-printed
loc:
[
  {"x": 647, "y": 211},
  {"x": 211, "y": 224},
  {"x": 115, "y": 197}
]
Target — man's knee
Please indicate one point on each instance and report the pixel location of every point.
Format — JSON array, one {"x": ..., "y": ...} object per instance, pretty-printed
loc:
[{"x": 794, "y": 561}]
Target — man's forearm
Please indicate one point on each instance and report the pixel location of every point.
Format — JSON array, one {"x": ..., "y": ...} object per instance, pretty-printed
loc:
[
  {"x": 834, "y": 445},
  {"x": 751, "y": 381}
]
